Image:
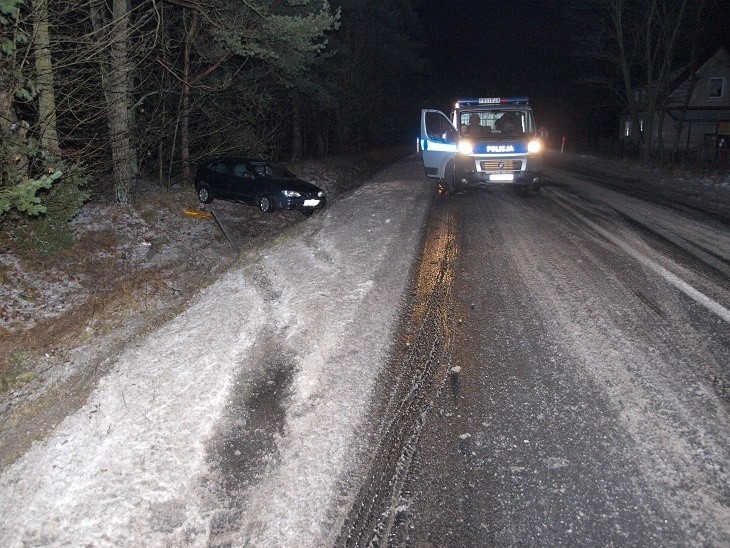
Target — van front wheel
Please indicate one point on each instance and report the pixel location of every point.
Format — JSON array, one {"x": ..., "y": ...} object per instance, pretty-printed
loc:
[{"x": 450, "y": 177}]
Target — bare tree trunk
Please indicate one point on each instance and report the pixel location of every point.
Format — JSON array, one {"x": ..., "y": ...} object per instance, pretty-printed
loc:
[
  {"x": 44, "y": 78},
  {"x": 114, "y": 34},
  {"x": 185, "y": 111},
  {"x": 616, "y": 10},
  {"x": 696, "y": 33},
  {"x": 665, "y": 23},
  {"x": 7, "y": 112},
  {"x": 297, "y": 145},
  {"x": 8, "y": 116},
  {"x": 119, "y": 102}
]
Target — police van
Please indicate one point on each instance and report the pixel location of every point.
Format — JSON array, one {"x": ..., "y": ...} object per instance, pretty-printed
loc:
[{"x": 490, "y": 140}]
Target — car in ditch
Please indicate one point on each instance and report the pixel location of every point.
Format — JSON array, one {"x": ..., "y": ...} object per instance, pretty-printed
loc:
[
  {"x": 488, "y": 140},
  {"x": 262, "y": 183}
]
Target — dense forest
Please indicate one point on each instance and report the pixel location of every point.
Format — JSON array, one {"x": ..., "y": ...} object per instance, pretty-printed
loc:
[{"x": 97, "y": 94}]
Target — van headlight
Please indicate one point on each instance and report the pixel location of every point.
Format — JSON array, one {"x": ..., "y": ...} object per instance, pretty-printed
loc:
[
  {"x": 466, "y": 147},
  {"x": 534, "y": 146}
]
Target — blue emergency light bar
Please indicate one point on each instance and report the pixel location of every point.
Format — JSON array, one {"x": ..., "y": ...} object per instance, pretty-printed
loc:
[{"x": 492, "y": 101}]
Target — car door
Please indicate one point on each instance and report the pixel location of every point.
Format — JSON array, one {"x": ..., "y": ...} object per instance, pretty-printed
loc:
[
  {"x": 439, "y": 142},
  {"x": 268, "y": 177},
  {"x": 242, "y": 183},
  {"x": 217, "y": 175}
]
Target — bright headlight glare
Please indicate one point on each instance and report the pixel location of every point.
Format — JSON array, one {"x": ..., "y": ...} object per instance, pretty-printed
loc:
[
  {"x": 466, "y": 147},
  {"x": 534, "y": 146}
]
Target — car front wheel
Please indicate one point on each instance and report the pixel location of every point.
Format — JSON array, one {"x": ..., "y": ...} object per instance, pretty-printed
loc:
[
  {"x": 266, "y": 204},
  {"x": 205, "y": 195}
]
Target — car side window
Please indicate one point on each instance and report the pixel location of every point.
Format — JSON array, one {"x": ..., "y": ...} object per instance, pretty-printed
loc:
[
  {"x": 240, "y": 170},
  {"x": 220, "y": 167}
]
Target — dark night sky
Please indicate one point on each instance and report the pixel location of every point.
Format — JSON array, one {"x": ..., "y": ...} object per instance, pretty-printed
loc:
[
  {"x": 522, "y": 47},
  {"x": 495, "y": 44}
]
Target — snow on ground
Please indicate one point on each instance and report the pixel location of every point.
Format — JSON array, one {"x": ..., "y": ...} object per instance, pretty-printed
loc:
[
  {"x": 702, "y": 187},
  {"x": 706, "y": 238},
  {"x": 64, "y": 317},
  {"x": 132, "y": 467},
  {"x": 112, "y": 241}
]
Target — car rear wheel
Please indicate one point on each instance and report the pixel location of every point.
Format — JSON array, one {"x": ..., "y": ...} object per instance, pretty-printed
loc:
[
  {"x": 266, "y": 204},
  {"x": 205, "y": 195}
]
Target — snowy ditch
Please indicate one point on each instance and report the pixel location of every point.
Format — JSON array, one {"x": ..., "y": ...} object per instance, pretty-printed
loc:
[{"x": 147, "y": 460}]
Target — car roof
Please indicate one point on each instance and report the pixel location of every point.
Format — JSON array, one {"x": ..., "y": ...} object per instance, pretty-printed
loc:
[{"x": 237, "y": 159}]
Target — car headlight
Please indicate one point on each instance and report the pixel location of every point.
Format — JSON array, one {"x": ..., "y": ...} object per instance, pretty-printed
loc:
[
  {"x": 534, "y": 146},
  {"x": 466, "y": 147},
  {"x": 291, "y": 194},
  {"x": 320, "y": 194}
]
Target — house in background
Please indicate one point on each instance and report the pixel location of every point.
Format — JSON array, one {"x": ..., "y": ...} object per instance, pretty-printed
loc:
[{"x": 698, "y": 112}]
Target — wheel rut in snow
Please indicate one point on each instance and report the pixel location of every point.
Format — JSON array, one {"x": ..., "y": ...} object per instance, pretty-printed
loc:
[
  {"x": 417, "y": 372},
  {"x": 246, "y": 439}
]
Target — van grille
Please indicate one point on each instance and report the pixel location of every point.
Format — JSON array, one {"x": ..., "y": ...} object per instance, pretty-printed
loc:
[{"x": 501, "y": 165}]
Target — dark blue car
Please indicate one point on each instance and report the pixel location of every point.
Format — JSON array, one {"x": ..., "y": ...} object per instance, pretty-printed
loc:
[{"x": 262, "y": 183}]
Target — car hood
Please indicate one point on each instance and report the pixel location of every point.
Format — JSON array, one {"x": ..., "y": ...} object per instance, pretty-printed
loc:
[{"x": 296, "y": 184}]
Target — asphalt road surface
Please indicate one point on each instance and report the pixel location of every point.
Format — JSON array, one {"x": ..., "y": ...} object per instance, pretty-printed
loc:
[{"x": 562, "y": 378}]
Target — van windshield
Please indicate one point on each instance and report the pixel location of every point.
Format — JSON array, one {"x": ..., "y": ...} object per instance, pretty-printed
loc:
[{"x": 496, "y": 124}]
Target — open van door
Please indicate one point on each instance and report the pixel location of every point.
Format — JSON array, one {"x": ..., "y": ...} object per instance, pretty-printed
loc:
[{"x": 439, "y": 142}]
